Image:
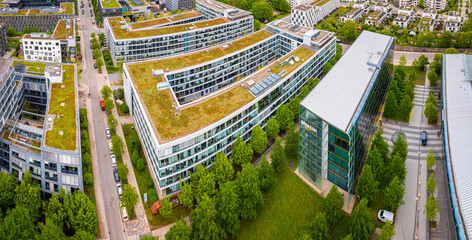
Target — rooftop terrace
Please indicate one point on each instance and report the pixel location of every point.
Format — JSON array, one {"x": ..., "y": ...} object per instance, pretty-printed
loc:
[
  {"x": 64, "y": 30},
  {"x": 110, "y": 4},
  {"x": 120, "y": 33},
  {"x": 163, "y": 20},
  {"x": 66, "y": 8},
  {"x": 221, "y": 7}
]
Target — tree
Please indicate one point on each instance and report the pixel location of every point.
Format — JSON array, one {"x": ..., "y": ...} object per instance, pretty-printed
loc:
[
  {"x": 402, "y": 60},
  {"x": 203, "y": 223},
  {"x": 27, "y": 195},
  {"x": 430, "y": 159},
  {"x": 26, "y": 30},
  {"x": 97, "y": 54},
  {"x": 124, "y": 108},
  {"x": 284, "y": 117},
  {"x": 272, "y": 128},
  {"x": 277, "y": 156},
  {"x": 281, "y": 5},
  {"x": 266, "y": 175},
  {"x": 149, "y": 182},
  {"x": 117, "y": 145},
  {"x": 406, "y": 105},
  {"x": 129, "y": 197},
  {"x": 291, "y": 143},
  {"x": 51, "y": 231},
  {"x": 361, "y": 223},
  {"x": 445, "y": 40},
  {"x": 248, "y": 188},
  {"x": 258, "y": 139},
  {"x": 18, "y": 224},
  {"x": 431, "y": 184},
  {"x": 88, "y": 179},
  {"x": 394, "y": 194},
  {"x": 203, "y": 182},
  {"x": 381, "y": 145},
  {"x": 99, "y": 62},
  {"x": 431, "y": 113},
  {"x": 186, "y": 194},
  {"x": 319, "y": 228},
  {"x": 257, "y": 25},
  {"x": 432, "y": 99},
  {"x": 166, "y": 208},
  {"x": 222, "y": 168},
  {"x": 327, "y": 67},
  {"x": 149, "y": 237},
  {"x": 34, "y": 29},
  {"x": 112, "y": 122},
  {"x": 180, "y": 231},
  {"x": 367, "y": 186},
  {"x": 134, "y": 157},
  {"x": 333, "y": 205},
  {"x": 425, "y": 39},
  {"x": 83, "y": 235},
  {"x": 387, "y": 231},
  {"x": 241, "y": 152},
  {"x": 8, "y": 184},
  {"x": 11, "y": 32},
  {"x": 436, "y": 64},
  {"x": 349, "y": 30},
  {"x": 375, "y": 160},
  {"x": 262, "y": 11},
  {"x": 396, "y": 168},
  {"x": 123, "y": 172},
  {"x": 152, "y": 196},
  {"x": 433, "y": 77},
  {"x": 422, "y": 61},
  {"x": 390, "y": 104},
  {"x": 141, "y": 165},
  {"x": 294, "y": 105},
  {"x": 228, "y": 209},
  {"x": 451, "y": 51},
  {"x": 401, "y": 147},
  {"x": 109, "y": 105},
  {"x": 431, "y": 208},
  {"x": 55, "y": 211},
  {"x": 81, "y": 213},
  {"x": 101, "y": 38}
]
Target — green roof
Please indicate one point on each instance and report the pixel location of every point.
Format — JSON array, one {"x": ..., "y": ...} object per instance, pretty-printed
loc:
[
  {"x": 134, "y": 5},
  {"x": 302, "y": 53},
  {"x": 61, "y": 32},
  {"x": 164, "y": 19},
  {"x": 110, "y": 4}
]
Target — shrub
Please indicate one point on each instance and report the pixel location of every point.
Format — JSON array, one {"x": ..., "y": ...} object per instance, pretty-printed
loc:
[
  {"x": 88, "y": 180},
  {"x": 149, "y": 182},
  {"x": 124, "y": 108},
  {"x": 134, "y": 158},
  {"x": 152, "y": 196},
  {"x": 140, "y": 165}
]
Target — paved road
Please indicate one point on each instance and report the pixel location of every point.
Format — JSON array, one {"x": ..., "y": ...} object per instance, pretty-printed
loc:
[{"x": 94, "y": 81}]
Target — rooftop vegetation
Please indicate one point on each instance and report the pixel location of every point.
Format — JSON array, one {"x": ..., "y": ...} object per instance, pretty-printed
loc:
[
  {"x": 302, "y": 53},
  {"x": 62, "y": 32},
  {"x": 134, "y": 5},
  {"x": 36, "y": 67},
  {"x": 163, "y": 19},
  {"x": 110, "y": 4}
]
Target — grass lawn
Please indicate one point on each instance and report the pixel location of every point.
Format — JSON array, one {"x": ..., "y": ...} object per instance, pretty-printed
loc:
[
  {"x": 110, "y": 4},
  {"x": 302, "y": 53},
  {"x": 398, "y": 117},
  {"x": 421, "y": 75},
  {"x": 36, "y": 67},
  {"x": 61, "y": 32},
  {"x": 288, "y": 211},
  {"x": 157, "y": 221}
]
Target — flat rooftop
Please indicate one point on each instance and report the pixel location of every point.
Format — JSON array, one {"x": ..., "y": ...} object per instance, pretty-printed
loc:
[
  {"x": 291, "y": 28},
  {"x": 124, "y": 33},
  {"x": 458, "y": 108},
  {"x": 110, "y": 4},
  {"x": 66, "y": 8},
  {"x": 170, "y": 124},
  {"x": 337, "y": 97},
  {"x": 163, "y": 20},
  {"x": 320, "y": 2},
  {"x": 64, "y": 30},
  {"x": 221, "y": 7}
]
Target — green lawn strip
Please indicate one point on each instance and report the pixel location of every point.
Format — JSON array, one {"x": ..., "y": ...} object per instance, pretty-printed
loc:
[
  {"x": 157, "y": 221},
  {"x": 288, "y": 210}
]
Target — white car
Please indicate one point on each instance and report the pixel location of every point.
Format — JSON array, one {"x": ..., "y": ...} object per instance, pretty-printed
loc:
[
  {"x": 108, "y": 132},
  {"x": 110, "y": 145},
  {"x": 119, "y": 189},
  {"x": 385, "y": 216},
  {"x": 113, "y": 161}
]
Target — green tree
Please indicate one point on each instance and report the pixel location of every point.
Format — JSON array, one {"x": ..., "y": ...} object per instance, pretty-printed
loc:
[
  {"x": 431, "y": 184},
  {"x": 205, "y": 184},
  {"x": 112, "y": 122},
  {"x": 129, "y": 197},
  {"x": 387, "y": 231},
  {"x": 262, "y": 11},
  {"x": 149, "y": 182},
  {"x": 381, "y": 145},
  {"x": 401, "y": 147},
  {"x": 327, "y": 67},
  {"x": 186, "y": 194},
  {"x": 349, "y": 30},
  {"x": 88, "y": 179},
  {"x": 284, "y": 117},
  {"x": 272, "y": 128},
  {"x": 27, "y": 195},
  {"x": 394, "y": 194},
  {"x": 134, "y": 157},
  {"x": 281, "y": 5},
  {"x": 319, "y": 228},
  {"x": 402, "y": 61},
  {"x": 406, "y": 105},
  {"x": 425, "y": 39},
  {"x": 180, "y": 231},
  {"x": 11, "y": 32},
  {"x": 18, "y": 224},
  {"x": 166, "y": 208},
  {"x": 117, "y": 145},
  {"x": 81, "y": 213},
  {"x": 148, "y": 237},
  {"x": 333, "y": 205},
  {"x": 83, "y": 235},
  {"x": 294, "y": 105},
  {"x": 34, "y": 29},
  {"x": 277, "y": 156},
  {"x": 445, "y": 40},
  {"x": 203, "y": 223},
  {"x": 361, "y": 222},
  {"x": 140, "y": 165},
  {"x": 109, "y": 105},
  {"x": 241, "y": 152},
  {"x": 123, "y": 172},
  {"x": 8, "y": 184},
  {"x": 375, "y": 160},
  {"x": 247, "y": 184},
  {"x": 436, "y": 64},
  {"x": 423, "y": 61},
  {"x": 433, "y": 77},
  {"x": 431, "y": 113},
  {"x": 26, "y": 30},
  {"x": 432, "y": 99},
  {"x": 266, "y": 174},
  {"x": 430, "y": 159},
  {"x": 367, "y": 186},
  {"x": 55, "y": 211},
  {"x": 258, "y": 139},
  {"x": 291, "y": 143},
  {"x": 390, "y": 104},
  {"x": 51, "y": 231},
  {"x": 257, "y": 25},
  {"x": 451, "y": 51},
  {"x": 222, "y": 168},
  {"x": 432, "y": 208},
  {"x": 228, "y": 208},
  {"x": 152, "y": 196},
  {"x": 396, "y": 168}
]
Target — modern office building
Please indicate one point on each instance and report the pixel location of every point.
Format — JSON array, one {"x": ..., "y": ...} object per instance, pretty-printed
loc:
[
  {"x": 213, "y": 9},
  {"x": 109, "y": 8},
  {"x": 136, "y": 8},
  {"x": 173, "y": 5},
  {"x": 310, "y": 15},
  {"x": 39, "y": 124},
  {"x": 457, "y": 132},
  {"x": 188, "y": 108},
  {"x": 3, "y": 39},
  {"x": 182, "y": 34},
  {"x": 58, "y": 47},
  {"x": 339, "y": 116}
]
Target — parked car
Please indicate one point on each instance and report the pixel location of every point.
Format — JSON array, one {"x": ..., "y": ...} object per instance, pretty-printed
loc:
[
  {"x": 107, "y": 130},
  {"x": 110, "y": 145},
  {"x": 119, "y": 189},
  {"x": 102, "y": 105},
  {"x": 385, "y": 216},
  {"x": 113, "y": 160},
  {"x": 95, "y": 66},
  {"x": 115, "y": 174},
  {"x": 124, "y": 214},
  {"x": 424, "y": 138}
]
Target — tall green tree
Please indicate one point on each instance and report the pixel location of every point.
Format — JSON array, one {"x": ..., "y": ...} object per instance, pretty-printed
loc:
[
  {"x": 129, "y": 197},
  {"x": 375, "y": 160},
  {"x": 284, "y": 117},
  {"x": 333, "y": 205},
  {"x": 394, "y": 194},
  {"x": 294, "y": 105},
  {"x": 349, "y": 30},
  {"x": 247, "y": 184},
  {"x": 18, "y": 224},
  {"x": 55, "y": 211},
  {"x": 281, "y": 5},
  {"x": 112, "y": 122},
  {"x": 361, "y": 222},
  {"x": 258, "y": 139},
  {"x": 222, "y": 168},
  {"x": 396, "y": 168},
  {"x": 262, "y": 11},
  {"x": 291, "y": 143},
  {"x": 241, "y": 152},
  {"x": 436, "y": 64},
  {"x": 431, "y": 113},
  {"x": 109, "y": 105},
  {"x": 51, "y": 231},
  {"x": 430, "y": 159},
  {"x": 203, "y": 223},
  {"x": 423, "y": 61},
  {"x": 166, "y": 208},
  {"x": 8, "y": 184},
  {"x": 320, "y": 229},
  {"x": 228, "y": 209},
  {"x": 83, "y": 235},
  {"x": 387, "y": 231},
  {"x": 106, "y": 92},
  {"x": 186, "y": 194},
  {"x": 381, "y": 145},
  {"x": 367, "y": 186},
  {"x": 431, "y": 184},
  {"x": 277, "y": 156},
  {"x": 266, "y": 175},
  {"x": 401, "y": 147},
  {"x": 432, "y": 99},
  {"x": 180, "y": 231},
  {"x": 257, "y": 25},
  {"x": 272, "y": 128},
  {"x": 406, "y": 105},
  {"x": 433, "y": 77},
  {"x": 206, "y": 184},
  {"x": 432, "y": 208},
  {"x": 123, "y": 172},
  {"x": 390, "y": 104},
  {"x": 27, "y": 195},
  {"x": 445, "y": 40},
  {"x": 117, "y": 145},
  {"x": 402, "y": 60},
  {"x": 81, "y": 213}
]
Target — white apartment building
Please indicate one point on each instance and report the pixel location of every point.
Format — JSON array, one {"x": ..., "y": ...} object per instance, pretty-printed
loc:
[
  {"x": 310, "y": 15},
  {"x": 294, "y": 3},
  {"x": 435, "y": 4},
  {"x": 58, "y": 47},
  {"x": 452, "y": 23},
  {"x": 354, "y": 15},
  {"x": 407, "y": 3},
  {"x": 404, "y": 19}
]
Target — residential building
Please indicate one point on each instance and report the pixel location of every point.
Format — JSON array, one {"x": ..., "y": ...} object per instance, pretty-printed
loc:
[
  {"x": 3, "y": 39},
  {"x": 109, "y": 8},
  {"x": 149, "y": 39},
  {"x": 312, "y": 14},
  {"x": 213, "y": 9},
  {"x": 58, "y": 47},
  {"x": 136, "y": 8},
  {"x": 427, "y": 23},
  {"x": 208, "y": 98},
  {"x": 408, "y": 3},
  {"x": 403, "y": 20},
  {"x": 339, "y": 116},
  {"x": 173, "y": 5},
  {"x": 376, "y": 18},
  {"x": 457, "y": 132},
  {"x": 39, "y": 124},
  {"x": 294, "y": 3},
  {"x": 435, "y": 4},
  {"x": 453, "y": 23},
  {"x": 354, "y": 15}
]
